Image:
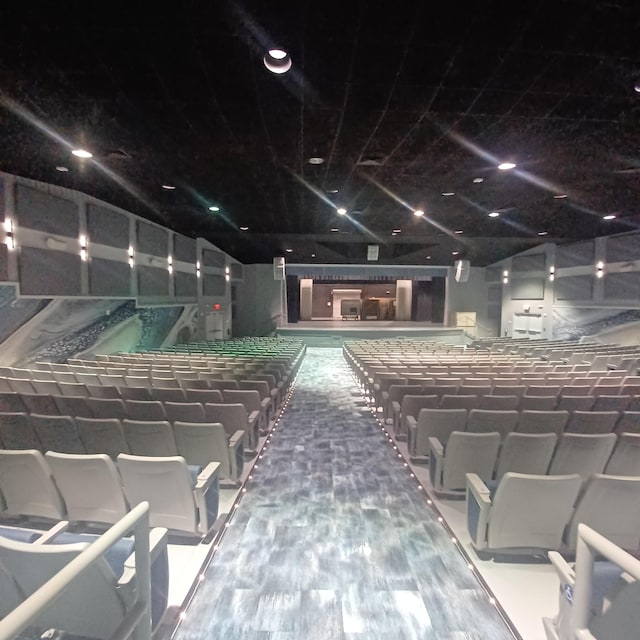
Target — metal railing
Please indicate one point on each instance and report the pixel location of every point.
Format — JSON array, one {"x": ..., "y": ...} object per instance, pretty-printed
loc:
[{"x": 136, "y": 621}]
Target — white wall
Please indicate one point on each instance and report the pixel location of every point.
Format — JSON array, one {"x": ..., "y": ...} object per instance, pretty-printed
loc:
[{"x": 470, "y": 296}]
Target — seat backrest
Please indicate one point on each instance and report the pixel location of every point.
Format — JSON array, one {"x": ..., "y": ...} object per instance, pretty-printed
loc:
[
  {"x": 528, "y": 453},
  {"x": 469, "y": 453},
  {"x": 91, "y": 606},
  {"x": 185, "y": 411},
  {"x": 440, "y": 424},
  {"x": 145, "y": 410},
  {"x": 584, "y": 454},
  {"x": 102, "y": 435},
  {"x": 458, "y": 402},
  {"x": 57, "y": 433},
  {"x": 168, "y": 395},
  {"x": 49, "y": 387},
  {"x": 543, "y": 390},
  {"x": 509, "y": 390},
  {"x": 542, "y": 421},
  {"x": 537, "y": 403},
  {"x": 21, "y": 385},
  {"x": 625, "y": 459},
  {"x": 166, "y": 484},
  {"x": 12, "y": 402},
  {"x": 486, "y": 420},
  {"x": 149, "y": 438},
  {"x": 200, "y": 443},
  {"x": 135, "y": 393},
  {"x": 232, "y": 416},
  {"x": 412, "y": 405},
  {"x": 248, "y": 397},
  {"x": 36, "y": 403},
  {"x": 75, "y": 406},
  {"x": 498, "y": 403},
  {"x": 260, "y": 386},
  {"x": 611, "y": 403},
  {"x": 16, "y": 432},
  {"x": 204, "y": 395},
  {"x": 27, "y": 485},
  {"x": 611, "y": 506},
  {"x": 575, "y": 403},
  {"x": 592, "y": 422},
  {"x": 108, "y": 408},
  {"x": 90, "y": 486},
  {"x": 103, "y": 391},
  {"x": 531, "y": 511},
  {"x": 73, "y": 389}
]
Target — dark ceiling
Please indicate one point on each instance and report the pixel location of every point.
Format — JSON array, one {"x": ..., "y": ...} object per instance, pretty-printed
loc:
[{"x": 404, "y": 101}]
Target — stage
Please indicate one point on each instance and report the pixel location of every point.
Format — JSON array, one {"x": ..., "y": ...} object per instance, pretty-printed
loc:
[{"x": 332, "y": 332}]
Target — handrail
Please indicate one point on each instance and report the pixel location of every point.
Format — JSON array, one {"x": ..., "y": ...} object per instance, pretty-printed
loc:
[
  {"x": 590, "y": 544},
  {"x": 138, "y": 617}
]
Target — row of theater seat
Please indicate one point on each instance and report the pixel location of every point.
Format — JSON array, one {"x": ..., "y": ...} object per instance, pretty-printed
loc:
[
  {"x": 96, "y": 490},
  {"x": 198, "y": 441}
]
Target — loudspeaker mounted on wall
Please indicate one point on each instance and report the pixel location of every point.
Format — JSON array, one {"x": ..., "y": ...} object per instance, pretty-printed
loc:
[
  {"x": 462, "y": 270},
  {"x": 278, "y": 268}
]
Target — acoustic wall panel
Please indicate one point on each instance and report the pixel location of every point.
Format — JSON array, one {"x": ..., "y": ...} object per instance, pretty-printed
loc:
[
  {"x": 151, "y": 239},
  {"x": 153, "y": 282},
  {"x": 49, "y": 273},
  {"x": 623, "y": 248},
  {"x": 574, "y": 288},
  {"x": 4, "y": 259},
  {"x": 109, "y": 278},
  {"x": 214, "y": 285},
  {"x": 494, "y": 294},
  {"x": 575, "y": 255},
  {"x": 107, "y": 226},
  {"x": 622, "y": 286},
  {"x": 493, "y": 274},
  {"x": 42, "y": 211},
  {"x": 184, "y": 249},
  {"x": 186, "y": 284},
  {"x": 527, "y": 289},
  {"x": 213, "y": 259},
  {"x": 529, "y": 262},
  {"x": 236, "y": 271}
]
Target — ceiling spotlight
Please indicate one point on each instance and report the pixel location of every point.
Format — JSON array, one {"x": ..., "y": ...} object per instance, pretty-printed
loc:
[
  {"x": 506, "y": 166},
  {"x": 315, "y": 160},
  {"x": 277, "y": 61},
  {"x": 62, "y": 169},
  {"x": 168, "y": 187},
  {"x": 397, "y": 231},
  {"x": 334, "y": 229},
  {"x": 494, "y": 214},
  {"x": 332, "y": 191},
  {"x": 214, "y": 208},
  {"x": 610, "y": 216},
  {"x": 81, "y": 153},
  {"x": 636, "y": 88},
  {"x": 560, "y": 196},
  {"x": 341, "y": 211},
  {"x": 244, "y": 228},
  {"x": 542, "y": 233},
  {"x": 478, "y": 180},
  {"x": 458, "y": 231},
  {"x": 418, "y": 213},
  {"x": 428, "y": 257},
  {"x": 448, "y": 193},
  {"x": 313, "y": 255},
  {"x": 288, "y": 250},
  {"x": 455, "y": 253}
]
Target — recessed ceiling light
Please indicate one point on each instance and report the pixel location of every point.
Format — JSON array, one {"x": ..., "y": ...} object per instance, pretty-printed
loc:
[
  {"x": 455, "y": 253},
  {"x": 288, "y": 250},
  {"x": 315, "y": 160},
  {"x": 458, "y": 231},
  {"x": 277, "y": 61},
  {"x": 560, "y": 196},
  {"x": 428, "y": 257},
  {"x": 244, "y": 228},
  {"x": 637, "y": 87},
  {"x": 494, "y": 214},
  {"x": 214, "y": 208},
  {"x": 542, "y": 233},
  {"x": 168, "y": 187},
  {"x": 333, "y": 191},
  {"x": 397, "y": 231},
  {"x": 418, "y": 213},
  {"x": 334, "y": 229},
  {"x": 82, "y": 153},
  {"x": 478, "y": 180},
  {"x": 448, "y": 193},
  {"x": 313, "y": 255},
  {"x": 506, "y": 166},
  {"x": 609, "y": 217},
  {"x": 62, "y": 169},
  {"x": 341, "y": 211}
]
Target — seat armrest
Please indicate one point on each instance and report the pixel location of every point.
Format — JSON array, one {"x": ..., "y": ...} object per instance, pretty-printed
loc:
[
  {"x": 436, "y": 463},
  {"x": 49, "y": 535},
  {"x": 265, "y": 403},
  {"x": 478, "y": 509},
  {"x": 207, "y": 476},
  {"x": 436, "y": 449},
  {"x": 565, "y": 571},
  {"x": 157, "y": 544},
  {"x": 412, "y": 423},
  {"x": 236, "y": 439},
  {"x": 253, "y": 416}
]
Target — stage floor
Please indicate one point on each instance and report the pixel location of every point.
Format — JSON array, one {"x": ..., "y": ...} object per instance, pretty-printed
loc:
[{"x": 331, "y": 332}]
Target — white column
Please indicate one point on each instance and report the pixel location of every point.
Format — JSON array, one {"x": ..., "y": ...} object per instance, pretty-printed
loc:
[
  {"x": 403, "y": 299},
  {"x": 306, "y": 298}
]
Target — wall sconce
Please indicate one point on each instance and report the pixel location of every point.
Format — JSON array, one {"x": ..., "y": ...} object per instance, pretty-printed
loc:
[
  {"x": 227, "y": 272},
  {"x": 599, "y": 269},
  {"x": 505, "y": 277},
  {"x": 198, "y": 269},
  {"x": 552, "y": 274},
  {"x": 9, "y": 237},
  {"x": 84, "y": 241},
  {"x": 131, "y": 256},
  {"x": 170, "y": 262}
]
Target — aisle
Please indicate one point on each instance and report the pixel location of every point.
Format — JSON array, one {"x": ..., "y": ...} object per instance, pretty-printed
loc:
[{"x": 333, "y": 539}]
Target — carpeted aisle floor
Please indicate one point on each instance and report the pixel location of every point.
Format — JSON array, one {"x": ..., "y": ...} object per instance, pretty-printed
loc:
[{"x": 333, "y": 539}]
